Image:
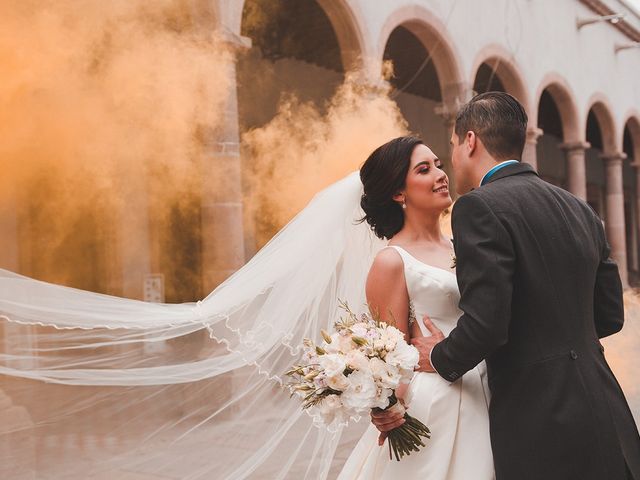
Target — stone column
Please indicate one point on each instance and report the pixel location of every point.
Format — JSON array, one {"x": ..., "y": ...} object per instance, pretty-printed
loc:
[
  {"x": 632, "y": 250},
  {"x": 221, "y": 215},
  {"x": 134, "y": 236},
  {"x": 454, "y": 96},
  {"x": 529, "y": 154},
  {"x": 576, "y": 167},
  {"x": 448, "y": 120},
  {"x": 614, "y": 220},
  {"x": 636, "y": 200},
  {"x": 9, "y": 251}
]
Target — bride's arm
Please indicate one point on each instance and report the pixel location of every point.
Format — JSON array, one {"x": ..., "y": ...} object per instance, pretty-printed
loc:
[
  {"x": 386, "y": 290},
  {"x": 387, "y": 295}
]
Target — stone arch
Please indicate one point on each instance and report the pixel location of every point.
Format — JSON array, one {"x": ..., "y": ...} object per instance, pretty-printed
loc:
[
  {"x": 603, "y": 113},
  {"x": 429, "y": 31},
  {"x": 342, "y": 17},
  {"x": 630, "y": 180},
  {"x": 605, "y": 175},
  {"x": 632, "y": 122},
  {"x": 564, "y": 99},
  {"x": 506, "y": 69},
  {"x": 348, "y": 31}
]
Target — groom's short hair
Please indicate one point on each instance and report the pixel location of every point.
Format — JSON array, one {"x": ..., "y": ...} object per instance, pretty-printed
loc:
[{"x": 499, "y": 120}]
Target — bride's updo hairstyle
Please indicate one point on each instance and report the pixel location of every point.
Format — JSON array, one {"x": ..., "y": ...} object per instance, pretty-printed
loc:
[{"x": 383, "y": 175}]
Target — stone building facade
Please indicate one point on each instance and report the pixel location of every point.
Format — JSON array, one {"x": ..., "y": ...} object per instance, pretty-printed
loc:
[{"x": 577, "y": 77}]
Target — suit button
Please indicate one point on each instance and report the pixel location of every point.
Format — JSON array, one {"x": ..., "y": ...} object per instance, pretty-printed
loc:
[{"x": 573, "y": 354}]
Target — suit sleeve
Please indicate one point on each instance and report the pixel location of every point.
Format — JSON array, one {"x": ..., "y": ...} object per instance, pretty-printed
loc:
[
  {"x": 608, "y": 306},
  {"x": 485, "y": 268}
]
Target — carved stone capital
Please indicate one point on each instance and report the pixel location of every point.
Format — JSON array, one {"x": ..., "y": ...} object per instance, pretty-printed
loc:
[
  {"x": 235, "y": 42},
  {"x": 573, "y": 146},
  {"x": 613, "y": 158},
  {"x": 533, "y": 134}
]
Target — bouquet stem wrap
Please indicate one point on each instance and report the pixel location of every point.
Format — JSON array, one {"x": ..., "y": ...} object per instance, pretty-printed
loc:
[{"x": 407, "y": 437}]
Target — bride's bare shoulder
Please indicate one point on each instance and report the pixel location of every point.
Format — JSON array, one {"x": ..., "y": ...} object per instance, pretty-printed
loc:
[
  {"x": 386, "y": 289},
  {"x": 387, "y": 262}
]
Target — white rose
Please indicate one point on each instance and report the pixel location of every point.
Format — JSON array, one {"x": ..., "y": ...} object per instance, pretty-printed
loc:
[
  {"x": 331, "y": 410},
  {"x": 368, "y": 350},
  {"x": 391, "y": 336},
  {"x": 404, "y": 356},
  {"x": 372, "y": 334},
  {"x": 320, "y": 381},
  {"x": 338, "y": 382},
  {"x": 387, "y": 375},
  {"x": 382, "y": 398},
  {"x": 332, "y": 364},
  {"x": 360, "y": 329},
  {"x": 327, "y": 410},
  {"x": 329, "y": 404},
  {"x": 361, "y": 392},
  {"x": 339, "y": 344},
  {"x": 356, "y": 360},
  {"x": 344, "y": 343},
  {"x": 310, "y": 357}
]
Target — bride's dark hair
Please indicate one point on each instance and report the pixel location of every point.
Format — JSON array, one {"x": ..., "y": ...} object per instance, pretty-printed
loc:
[{"x": 383, "y": 175}]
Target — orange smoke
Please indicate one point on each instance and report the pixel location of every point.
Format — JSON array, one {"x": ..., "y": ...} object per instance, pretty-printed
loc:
[
  {"x": 105, "y": 110},
  {"x": 302, "y": 150}
]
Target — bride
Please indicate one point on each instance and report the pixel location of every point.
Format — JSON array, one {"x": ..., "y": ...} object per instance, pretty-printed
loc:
[
  {"x": 95, "y": 386},
  {"x": 405, "y": 193}
]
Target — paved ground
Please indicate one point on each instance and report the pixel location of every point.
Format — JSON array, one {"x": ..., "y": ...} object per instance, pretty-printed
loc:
[{"x": 623, "y": 353}]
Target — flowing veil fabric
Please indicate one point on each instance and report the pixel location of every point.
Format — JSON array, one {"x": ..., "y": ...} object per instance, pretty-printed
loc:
[{"x": 95, "y": 386}]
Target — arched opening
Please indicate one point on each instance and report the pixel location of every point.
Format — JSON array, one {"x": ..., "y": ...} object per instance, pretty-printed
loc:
[
  {"x": 551, "y": 159},
  {"x": 487, "y": 80},
  {"x": 295, "y": 54},
  {"x": 414, "y": 72},
  {"x": 295, "y": 51},
  {"x": 495, "y": 72}
]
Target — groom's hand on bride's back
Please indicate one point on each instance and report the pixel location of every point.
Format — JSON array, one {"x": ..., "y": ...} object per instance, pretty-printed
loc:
[{"x": 426, "y": 344}]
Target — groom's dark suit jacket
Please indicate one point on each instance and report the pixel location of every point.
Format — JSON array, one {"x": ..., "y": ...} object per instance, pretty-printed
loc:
[{"x": 538, "y": 290}]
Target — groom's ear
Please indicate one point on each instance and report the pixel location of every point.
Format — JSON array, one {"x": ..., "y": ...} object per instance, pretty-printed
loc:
[{"x": 472, "y": 142}]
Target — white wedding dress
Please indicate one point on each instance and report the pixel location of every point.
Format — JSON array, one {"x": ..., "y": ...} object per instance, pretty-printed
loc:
[{"x": 456, "y": 413}]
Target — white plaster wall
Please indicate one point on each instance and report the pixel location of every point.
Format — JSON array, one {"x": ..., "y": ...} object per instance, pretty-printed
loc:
[{"x": 538, "y": 36}]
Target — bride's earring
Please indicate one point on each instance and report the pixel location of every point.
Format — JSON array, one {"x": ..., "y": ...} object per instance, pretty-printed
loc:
[{"x": 404, "y": 205}]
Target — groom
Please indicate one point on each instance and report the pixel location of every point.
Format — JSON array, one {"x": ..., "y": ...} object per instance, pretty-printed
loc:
[{"x": 537, "y": 290}]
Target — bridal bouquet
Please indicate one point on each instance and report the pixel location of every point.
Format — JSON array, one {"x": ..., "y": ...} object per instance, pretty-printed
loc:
[{"x": 356, "y": 369}]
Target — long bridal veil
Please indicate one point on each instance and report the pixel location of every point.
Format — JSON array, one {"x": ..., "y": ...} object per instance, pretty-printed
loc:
[{"x": 95, "y": 386}]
